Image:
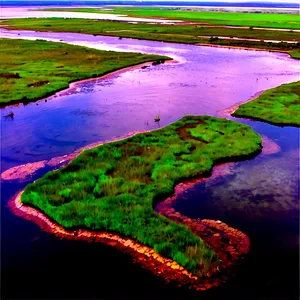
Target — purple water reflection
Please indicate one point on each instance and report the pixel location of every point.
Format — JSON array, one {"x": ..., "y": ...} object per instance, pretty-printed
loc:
[{"x": 205, "y": 80}]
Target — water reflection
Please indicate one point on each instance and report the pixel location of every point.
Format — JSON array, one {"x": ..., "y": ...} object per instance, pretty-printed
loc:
[
  {"x": 261, "y": 198},
  {"x": 203, "y": 81}
]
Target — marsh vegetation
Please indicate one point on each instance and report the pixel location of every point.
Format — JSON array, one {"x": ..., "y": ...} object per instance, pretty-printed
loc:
[
  {"x": 31, "y": 70},
  {"x": 115, "y": 186},
  {"x": 269, "y": 20},
  {"x": 279, "y": 106}
]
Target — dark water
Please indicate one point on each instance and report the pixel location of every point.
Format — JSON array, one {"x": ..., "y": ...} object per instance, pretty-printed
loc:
[{"x": 259, "y": 196}]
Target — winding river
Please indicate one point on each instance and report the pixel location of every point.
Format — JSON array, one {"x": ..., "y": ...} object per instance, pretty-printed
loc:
[{"x": 260, "y": 196}]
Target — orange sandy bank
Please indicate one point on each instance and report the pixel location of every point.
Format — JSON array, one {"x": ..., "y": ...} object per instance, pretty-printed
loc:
[
  {"x": 230, "y": 244},
  {"x": 166, "y": 269}
]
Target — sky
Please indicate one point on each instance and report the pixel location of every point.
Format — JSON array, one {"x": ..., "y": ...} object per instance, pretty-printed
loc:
[
  {"x": 239, "y": 1},
  {"x": 230, "y": 1},
  {"x": 223, "y": 1}
]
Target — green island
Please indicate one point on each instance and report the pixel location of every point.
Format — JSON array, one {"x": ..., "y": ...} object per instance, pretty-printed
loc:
[
  {"x": 278, "y": 106},
  {"x": 180, "y": 33},
  {"x": 115, "y": 186},
  {"x": 31, "y": 70}
]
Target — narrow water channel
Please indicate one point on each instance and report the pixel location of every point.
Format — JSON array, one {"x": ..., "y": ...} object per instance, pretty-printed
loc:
[{"x": 260, "y": 196}]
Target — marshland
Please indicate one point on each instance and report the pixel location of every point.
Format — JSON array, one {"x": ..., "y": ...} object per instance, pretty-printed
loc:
[{"x": 116, "y": 186}]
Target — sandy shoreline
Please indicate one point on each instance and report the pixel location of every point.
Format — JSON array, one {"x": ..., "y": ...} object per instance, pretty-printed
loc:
[
  {"x": 227, "y": 112},
  {"x": 213, "y": 232},
  {"x": 166, "y": 269}
]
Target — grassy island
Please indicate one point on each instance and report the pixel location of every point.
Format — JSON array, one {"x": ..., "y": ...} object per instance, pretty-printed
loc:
[
  {"x": 278, "y": 106},
  {"x": 31, "y": 70},
  {"x": 114, "y": 187}
]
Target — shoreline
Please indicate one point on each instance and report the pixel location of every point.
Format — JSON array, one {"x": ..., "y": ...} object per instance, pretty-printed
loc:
[
  {"x": 73, "y": 84},
  {"x": 213, "y": 233},
  {"x": 227, "y": 112},
  {"x": 22, "y": 172},
  {"x": 245, "y": 48},
  {"x": 133, "y": 67},
  {"x": 167, "y": 270}
]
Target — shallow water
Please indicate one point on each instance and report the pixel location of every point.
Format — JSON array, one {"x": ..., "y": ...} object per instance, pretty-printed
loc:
[{"x": 258, "y": 196}]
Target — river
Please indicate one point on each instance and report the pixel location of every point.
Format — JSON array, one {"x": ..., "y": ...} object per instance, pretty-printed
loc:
[{"x": 259, "y": 196}]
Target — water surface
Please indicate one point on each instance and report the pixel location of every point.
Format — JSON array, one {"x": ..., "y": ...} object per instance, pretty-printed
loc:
[{"x": 258, "y": 196}]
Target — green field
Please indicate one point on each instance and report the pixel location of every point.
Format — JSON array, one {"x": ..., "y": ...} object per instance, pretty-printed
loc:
[
  {"x": 279, "y": 106},
  {"x": 290, "y": 21},
  {"x": 189, "y": 34},
  {"x": 31, "y": 70},
  {"x": 114, "y": 186}
]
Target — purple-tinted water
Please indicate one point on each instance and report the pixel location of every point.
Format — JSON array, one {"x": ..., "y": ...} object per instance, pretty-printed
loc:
[
  {"x": 205, "y": 80},
  {"x": 38, "y": 265}
]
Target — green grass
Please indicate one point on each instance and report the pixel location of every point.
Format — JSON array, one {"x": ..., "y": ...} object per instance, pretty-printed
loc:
[
  {"x": 115, "y": 186},
  {"x": 278, "y": 106},
  {"x": 31, "y": 70},
  {"x": 295, "y": 54},
  {"x": 188, "y": 34},
  {"x": 270, "y": 20}
]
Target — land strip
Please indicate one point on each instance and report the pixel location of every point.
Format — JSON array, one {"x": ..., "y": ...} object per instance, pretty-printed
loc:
[
  {"x": 166, "y": 269},
  {"x": 127, "y": 176},
  {"x": 31, "y": 70},
  {"x": 269, "y": 20},
  {"x": 188, "y": 34},
  {"x": 278, "y": 106}
]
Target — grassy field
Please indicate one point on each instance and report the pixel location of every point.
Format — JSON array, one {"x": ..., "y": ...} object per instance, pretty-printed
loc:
[
  {"x": 290, "y": 21},
  {"x": 189, "y": 34},
  {"x": 279, "y": 106},
  {"x": 31, "y": 70},
  {"x": 114, "y": 186}
]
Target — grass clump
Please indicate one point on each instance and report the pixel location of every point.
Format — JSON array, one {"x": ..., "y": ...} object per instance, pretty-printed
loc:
[
  {"x": 31, "y": 70},
  {"x": 115, "y": 186},
  {"x": 278, "y": 106}
]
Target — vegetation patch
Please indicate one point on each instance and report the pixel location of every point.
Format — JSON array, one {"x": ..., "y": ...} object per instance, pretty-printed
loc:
[
  {"x": 114, "y": 187},
  {"x": 278, "y": 106},
  {"x": 31, "y": 70}
]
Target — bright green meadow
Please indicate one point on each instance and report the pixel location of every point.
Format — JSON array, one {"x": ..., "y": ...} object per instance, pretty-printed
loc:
[
  {"x": 270, "y": 20},
  {"x": 278, "y": 106}
]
